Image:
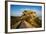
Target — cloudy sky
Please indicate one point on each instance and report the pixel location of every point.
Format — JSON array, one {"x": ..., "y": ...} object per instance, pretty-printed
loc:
[{"x": 16, "y": 10}]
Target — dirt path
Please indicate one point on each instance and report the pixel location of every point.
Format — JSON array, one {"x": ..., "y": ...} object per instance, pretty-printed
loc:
[{"x": 22, "y": 24}]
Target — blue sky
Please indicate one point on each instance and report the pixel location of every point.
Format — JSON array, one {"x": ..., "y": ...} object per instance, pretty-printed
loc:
[{"x": 16, "y": 10}]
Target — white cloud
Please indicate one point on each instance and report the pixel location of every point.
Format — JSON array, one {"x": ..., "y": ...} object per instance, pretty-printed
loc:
[
  {"x": 25, "y": 9},
  {"x": 18, "y": 13}
]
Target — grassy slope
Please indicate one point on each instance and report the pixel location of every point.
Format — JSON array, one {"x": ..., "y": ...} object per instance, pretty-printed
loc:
[{"x": 14, "y": 20}]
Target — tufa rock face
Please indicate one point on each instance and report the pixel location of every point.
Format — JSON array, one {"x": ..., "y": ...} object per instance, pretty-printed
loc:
[
  {"x": 31, "y": 17},
  {"x": 29, "y": 13}
]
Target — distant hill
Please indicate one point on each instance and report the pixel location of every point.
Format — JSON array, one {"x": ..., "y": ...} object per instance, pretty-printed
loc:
[{"x": 14, "y": 19}]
